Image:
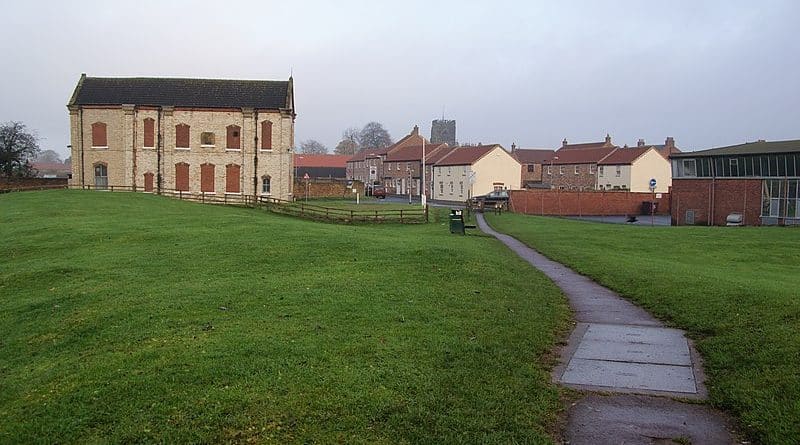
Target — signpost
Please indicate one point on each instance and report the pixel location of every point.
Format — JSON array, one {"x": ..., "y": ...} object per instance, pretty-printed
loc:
[
  {"x": 306, "y": 177},
  {"x": 653, "y": 201}
]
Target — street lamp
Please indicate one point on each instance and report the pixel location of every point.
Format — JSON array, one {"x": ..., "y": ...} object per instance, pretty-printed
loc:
[
  {"x": 551, "y": 170},
  {"x": 423, "y": 197}
]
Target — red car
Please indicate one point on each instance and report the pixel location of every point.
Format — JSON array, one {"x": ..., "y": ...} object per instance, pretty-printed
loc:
[{"x": 379, "y": 192}]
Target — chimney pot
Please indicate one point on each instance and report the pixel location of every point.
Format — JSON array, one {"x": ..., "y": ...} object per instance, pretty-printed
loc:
[
  {"x": 670, "y": 142},
  {"x": 564, "y": 142},
  {"x": 513, "y": 147},
  {"x": 608, "y": 139},
  {"x": 415, "y": 131},
  {"x": 640, "y": 143}
]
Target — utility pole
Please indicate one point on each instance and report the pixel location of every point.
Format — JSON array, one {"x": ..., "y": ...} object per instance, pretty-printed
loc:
[{"x": 423, "y": 195}]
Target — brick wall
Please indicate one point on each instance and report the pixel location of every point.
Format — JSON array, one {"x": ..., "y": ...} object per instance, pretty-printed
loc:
[
  {"x": 589, "y": 203},
  {"x": 321, "y": 188},
  {"x": 22, "y": 183},
  {"x": 729, "y": 196}
]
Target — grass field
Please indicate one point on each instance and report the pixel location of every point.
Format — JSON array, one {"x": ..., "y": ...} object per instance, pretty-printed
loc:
[
  {"x": 736, "y": 290},
  {"x": 136, "y": 318}
]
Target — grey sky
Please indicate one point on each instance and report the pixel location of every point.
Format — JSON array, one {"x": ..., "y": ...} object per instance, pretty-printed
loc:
[{"x": 707, "y": 73}]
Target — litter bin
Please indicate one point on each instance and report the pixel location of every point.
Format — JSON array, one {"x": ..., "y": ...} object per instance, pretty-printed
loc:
[
  {"x": 649, "y": 207},
  {"x": 457, "y": 222}
]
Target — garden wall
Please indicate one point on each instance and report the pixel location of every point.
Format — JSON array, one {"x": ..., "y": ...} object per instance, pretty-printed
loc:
[{"x": 586, "y": 203}]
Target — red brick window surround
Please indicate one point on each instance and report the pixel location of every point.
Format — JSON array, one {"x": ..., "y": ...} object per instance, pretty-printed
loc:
[
  {"x": 234, "y": 137},
  {"x": 182, "y": 177},
  {"x": 181, "y": 136},
  {"x": 266, "y": 135},
  {"x": 99, "y": 137},
  {"x": 232, "y": 175},
  {"x": 149, "y": 133},
  {"x": 207, "y": 178}
]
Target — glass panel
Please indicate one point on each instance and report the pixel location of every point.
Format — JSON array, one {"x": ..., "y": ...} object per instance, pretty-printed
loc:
[
  {"x": 765, "y": 198},
  {"x": 780, "y": 160},
  {"x": 689, "y": 167},
  {"x": 734, "y": 167}
]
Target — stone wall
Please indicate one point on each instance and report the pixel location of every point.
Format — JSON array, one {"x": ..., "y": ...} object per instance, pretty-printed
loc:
[
  {"x": 323, "y": 188},
  {"x": 128, "y": 160}
]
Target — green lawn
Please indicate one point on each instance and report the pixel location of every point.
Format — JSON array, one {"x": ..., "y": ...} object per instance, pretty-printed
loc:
[
  {"x": 736, "y": 290},
  {"x": 136, "y": 318}
]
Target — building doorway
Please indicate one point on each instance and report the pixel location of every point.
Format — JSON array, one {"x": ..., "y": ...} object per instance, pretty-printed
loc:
[{"x": 100, "y": 176}]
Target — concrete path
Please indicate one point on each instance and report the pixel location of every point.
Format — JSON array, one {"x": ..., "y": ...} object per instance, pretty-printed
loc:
[{"x": 617, "y": 347}]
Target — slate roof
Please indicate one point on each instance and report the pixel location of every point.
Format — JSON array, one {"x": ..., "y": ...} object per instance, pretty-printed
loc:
[
  {"x": 532, "y": 156},
  {"x": 316, "y": 160},
  {"x": 583, "y": 156},
  {"x": 434, "y": 157},
  {"x": 466, "y": 155},
  {"x": 624, "y": 156},
  {"x": 759, "y": 147},
  {"x": 197, "y": 93}
]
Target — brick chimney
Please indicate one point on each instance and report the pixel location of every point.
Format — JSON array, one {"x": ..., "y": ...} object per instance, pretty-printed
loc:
[
  {"x": 669, "y": 143},
  {"x": 640, "y": 143},
  {"x": 513, "y": 147},
  {"x": 415, "y": 131}
]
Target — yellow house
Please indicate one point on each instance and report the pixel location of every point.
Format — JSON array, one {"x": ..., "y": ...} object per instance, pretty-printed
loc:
[
  {"x": 471, "y": 171},
  {"x": 631, "y": 169}
]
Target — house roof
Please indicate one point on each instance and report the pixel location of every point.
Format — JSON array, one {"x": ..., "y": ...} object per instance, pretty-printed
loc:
[
  {"x": 315, "y": 160},
  {"x": 412, "y": 152},
  {"x": 437, "y": 155},
  {"x": 759, "y": 147},
  {"x": 466, "y": 155},
  {"x": 532, "y": 155},
  {"x": 584, "y": 156},
  {"x": 52, "y": 166},
  {"x": 584, "y": 146},
  {"x": 624, "y": 156},
  {"x": 200, "y": 93}
]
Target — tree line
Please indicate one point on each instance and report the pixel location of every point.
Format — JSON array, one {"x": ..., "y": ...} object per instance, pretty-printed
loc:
[{"x": 372, "y": 135}]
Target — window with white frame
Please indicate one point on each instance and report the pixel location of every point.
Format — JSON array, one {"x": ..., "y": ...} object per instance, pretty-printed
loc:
[
  {"x": 266, "y": 185},
  {"x": 561, "y": 170},
  {"x": 461, "y": 184},
  {"x": 689, "y": 167},
  {"x": 577, "y": 169},
  {"x": 600, "y": 171},
  {"x": 549, "y": 169},
  {"x": 591, "y": 169},
  {"x": 619, "y": 171}
]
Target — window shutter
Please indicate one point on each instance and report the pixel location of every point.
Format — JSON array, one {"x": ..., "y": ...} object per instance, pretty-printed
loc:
[
  {"x": 266, "y": 135},
  {"x": 99, "y": 138},
  {"x": 149, "y": 132}
]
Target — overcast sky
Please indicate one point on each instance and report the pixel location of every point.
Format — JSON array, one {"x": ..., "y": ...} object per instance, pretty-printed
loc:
[{"x": 707, "y": 73}]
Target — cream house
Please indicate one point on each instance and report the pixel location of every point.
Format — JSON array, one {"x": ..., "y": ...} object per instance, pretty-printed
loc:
[
  {"x": 632, "y": 168},
  {"x": 199, "y": 136},
  {"x": 471, "y": 171}
]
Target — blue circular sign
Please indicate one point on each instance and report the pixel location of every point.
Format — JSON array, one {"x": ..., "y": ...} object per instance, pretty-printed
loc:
[{"x": 653, "y": 183}]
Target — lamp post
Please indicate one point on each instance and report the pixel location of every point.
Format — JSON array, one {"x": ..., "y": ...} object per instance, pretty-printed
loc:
[{"x": 423, "y": 195}]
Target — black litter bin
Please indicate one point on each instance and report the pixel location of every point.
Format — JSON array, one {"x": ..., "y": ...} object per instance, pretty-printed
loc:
[
  {"x": 456, "y": 222},
  {"x": 649, "y": 207}
]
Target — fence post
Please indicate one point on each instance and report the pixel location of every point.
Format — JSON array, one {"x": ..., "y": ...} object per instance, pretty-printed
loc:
[
  {"x": 401, "y": 216},
  {"x": 351, "y": 216},
  {"x": 426, "y": 213},
  {"x": 202, "y": 197}
]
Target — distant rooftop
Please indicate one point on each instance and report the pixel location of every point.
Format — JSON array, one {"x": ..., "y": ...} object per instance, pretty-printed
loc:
[{"x": 758, "y": 147}]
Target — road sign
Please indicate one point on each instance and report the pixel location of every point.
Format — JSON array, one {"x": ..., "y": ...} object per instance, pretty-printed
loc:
[{"x": 653, "y": 184}]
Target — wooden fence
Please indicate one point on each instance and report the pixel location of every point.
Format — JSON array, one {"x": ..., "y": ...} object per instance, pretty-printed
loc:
[{"x": 294, "y": 208}]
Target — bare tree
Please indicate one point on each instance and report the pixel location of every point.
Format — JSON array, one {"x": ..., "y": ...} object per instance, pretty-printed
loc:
[
  {"x": 310, "y": 146},
  {"x": 349, "y": 144},
  {"x": 18, "y": 147},
  {"x": 49, "y": 156},
  {"x": 373, "y": 135}
]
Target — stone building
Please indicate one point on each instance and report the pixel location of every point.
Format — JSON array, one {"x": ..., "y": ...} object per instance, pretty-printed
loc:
[
  {"x": 532, "y": 161},
  {"x": 403, "y": 167},
  {"x": 189, "y": 135},
  {"x": 367, "y": 165},
  {"x": 443, "y": 131}
]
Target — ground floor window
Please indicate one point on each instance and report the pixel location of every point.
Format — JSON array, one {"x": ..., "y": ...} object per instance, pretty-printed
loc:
[
  {"x": 266, "y": 185},
  {"x": 780, "y": 198}
]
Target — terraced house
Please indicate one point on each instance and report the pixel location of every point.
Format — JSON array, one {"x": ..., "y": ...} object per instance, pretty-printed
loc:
[{"x": 201, "y": 136}]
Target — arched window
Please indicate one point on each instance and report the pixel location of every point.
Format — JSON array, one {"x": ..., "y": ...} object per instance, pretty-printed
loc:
[
  {"x": 182, "y": 177},
  {"x": 266, "y": 135},
  {"x": 234, "y": 140},
  {"x": 149, "y": 133},
  {"x": 101, "y": 176},
  {"x": 266, "y": 185},
  {"x": 99, "y": 138},
  {"x": 181, "y": 136},
  {"x": 232, "y": 177},
  {"x": 207, "y": 178}
]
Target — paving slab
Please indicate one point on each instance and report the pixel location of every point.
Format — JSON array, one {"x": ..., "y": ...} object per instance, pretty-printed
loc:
[
  {"x": 634, "y": 344},
  {"x": 645, "y": 376}
]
